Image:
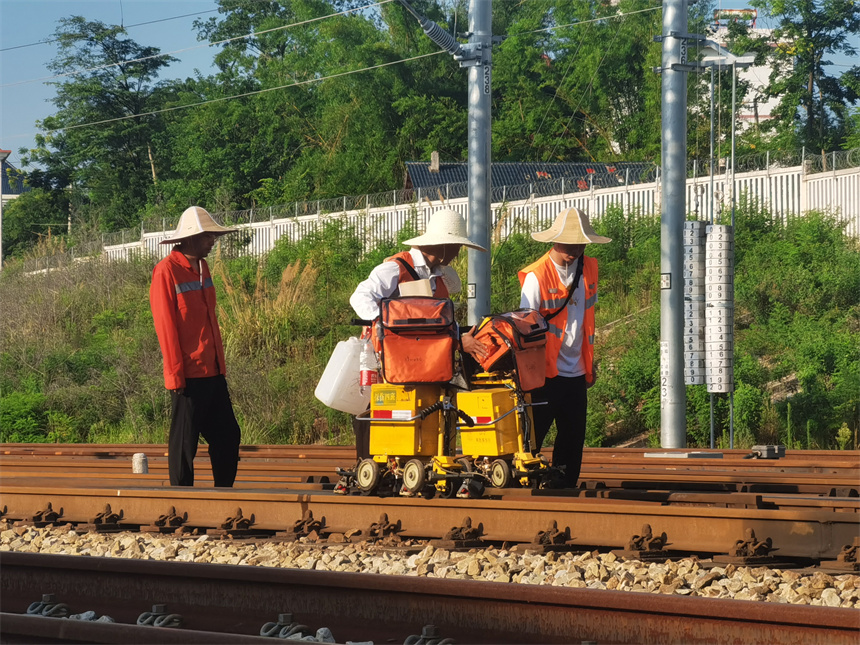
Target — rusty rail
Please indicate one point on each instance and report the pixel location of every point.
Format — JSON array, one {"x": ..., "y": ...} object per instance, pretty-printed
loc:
[{"x": 238, "y": 600}]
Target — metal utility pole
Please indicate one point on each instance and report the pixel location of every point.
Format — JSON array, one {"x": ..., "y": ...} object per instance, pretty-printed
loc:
[
  {"x": 480, "y": 99},
  {"x": 673, "y": 403},
  {"x": 477, "y": 56},
  {"x": 4, "y": 154}
]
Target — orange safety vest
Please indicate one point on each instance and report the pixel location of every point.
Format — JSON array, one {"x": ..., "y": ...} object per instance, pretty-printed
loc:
[
  {"x": 553, "y": 294},
  {"x": 441, "y": 289}
]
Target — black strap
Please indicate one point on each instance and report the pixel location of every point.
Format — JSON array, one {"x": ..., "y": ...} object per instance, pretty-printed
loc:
[
  {"x": 409, "y": 268},
  {"x": 573, "y": 287}
]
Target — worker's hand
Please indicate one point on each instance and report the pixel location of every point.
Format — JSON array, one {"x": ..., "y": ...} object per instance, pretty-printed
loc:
[
  {"x": 473, "y": 346},
  {"x": 593, "y": 378}
]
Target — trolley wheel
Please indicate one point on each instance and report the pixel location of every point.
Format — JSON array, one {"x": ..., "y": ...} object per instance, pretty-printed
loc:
[
  {"x": 451, "y": 488},
  {"x": 500, "y": 474},
  {"x": 367, "y": 475},
  {"x": 466, "y": 464},
  {"x": 414, "y": 476}
]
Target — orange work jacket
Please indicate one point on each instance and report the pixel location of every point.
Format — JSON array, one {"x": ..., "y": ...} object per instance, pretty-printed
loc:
[
  {"x": 183, "y": 310},
  {"x": 441, "y": 290},
  {"x": 553, "y": 294}
]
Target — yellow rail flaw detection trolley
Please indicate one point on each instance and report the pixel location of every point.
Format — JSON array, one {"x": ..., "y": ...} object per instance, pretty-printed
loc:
[{"x": 417, "y": 413}]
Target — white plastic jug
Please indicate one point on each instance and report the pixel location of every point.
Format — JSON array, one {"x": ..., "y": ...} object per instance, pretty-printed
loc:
[{"x": 339, "y": 386}]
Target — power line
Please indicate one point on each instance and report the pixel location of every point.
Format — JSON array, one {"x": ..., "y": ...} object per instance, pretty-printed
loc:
[
  {"x": 587, "y": 88},
  {"x": 585, "y": 22},
  {"x": 555, "y": 94},
  {"x": 212, "y": 44},
  {"x": 238, "y": 96},
  {"x": 137, "y": 24}
]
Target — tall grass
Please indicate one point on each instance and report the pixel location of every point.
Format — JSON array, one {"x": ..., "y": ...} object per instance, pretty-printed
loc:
[{"x": 79, "y": 359}]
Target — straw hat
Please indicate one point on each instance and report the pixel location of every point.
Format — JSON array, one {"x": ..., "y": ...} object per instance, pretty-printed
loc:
[
  {"x": 195, "y": 220},
  {"x": 571, "y": 226},
  {"x": 445, "y": 227}
]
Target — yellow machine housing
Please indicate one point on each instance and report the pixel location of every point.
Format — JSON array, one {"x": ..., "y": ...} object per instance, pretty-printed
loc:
[
  {"x": 391, "y": 435},
  {"x": 497, "y": 439}
]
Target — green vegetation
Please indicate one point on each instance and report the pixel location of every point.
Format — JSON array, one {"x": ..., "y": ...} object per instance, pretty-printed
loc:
[
  {"x": 80, "y": 360},
  {"x": 284, "y": 118}
]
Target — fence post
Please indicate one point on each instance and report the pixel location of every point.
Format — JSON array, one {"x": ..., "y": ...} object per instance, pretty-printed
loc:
[
  {"x": 562, "y": 190},
  {"x": 394, "y": 197}
]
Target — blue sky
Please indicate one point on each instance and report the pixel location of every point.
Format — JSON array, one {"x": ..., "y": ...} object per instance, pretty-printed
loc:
[
  {"x": 29, "y": 21},
  {"x": 23, "y": 22}
]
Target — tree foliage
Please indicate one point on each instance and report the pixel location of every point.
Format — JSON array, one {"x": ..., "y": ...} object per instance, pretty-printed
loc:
[
  {"x": 314, "y": 99},
  {"x": 813, "y": 101},
  {"x": 107, "y": 78}
]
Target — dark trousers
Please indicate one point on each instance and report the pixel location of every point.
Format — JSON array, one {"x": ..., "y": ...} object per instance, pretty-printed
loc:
[
  {"x": 567, "y": 402},
  {"x": 204, "y": 408}
]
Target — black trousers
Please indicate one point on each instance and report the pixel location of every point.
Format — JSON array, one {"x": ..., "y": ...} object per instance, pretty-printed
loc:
[
  {"x": 567, "y": 402},
  {"x": 204, "y": 408}
]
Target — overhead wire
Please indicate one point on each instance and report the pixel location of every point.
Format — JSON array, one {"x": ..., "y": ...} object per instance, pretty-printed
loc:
[
  {"x": 588, "y": 87},
  {"x": 558, "y": 87},
  {"x": 244, "y": 94},
  {"x": 185, "y": 49},
  {"x": 137, "y": 24},
  {"x": 585, "y": 22}
]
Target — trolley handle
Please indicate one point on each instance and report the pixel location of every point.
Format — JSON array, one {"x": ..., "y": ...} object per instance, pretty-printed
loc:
[
  {"x": 469, "y": 421},
  {"x": 361, "y": 323}
]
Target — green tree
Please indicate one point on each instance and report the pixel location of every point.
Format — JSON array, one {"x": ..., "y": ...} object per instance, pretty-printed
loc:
[
  {"x": 106, "y": 78},
  {"x": 808, "y": 32}
]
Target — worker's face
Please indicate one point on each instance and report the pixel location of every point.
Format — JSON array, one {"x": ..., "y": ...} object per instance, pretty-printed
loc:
[
  {"x": 442, "y": 254},
  {"x": 200, "y": 245},
  {"x": 567, "y": 254}
]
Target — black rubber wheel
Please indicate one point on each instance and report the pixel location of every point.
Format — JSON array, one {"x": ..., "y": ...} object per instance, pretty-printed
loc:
[
  {"x": 451, "y": 488},
  {"x": 466, "y": 464},
  {"x": 500, "y": 474},
  {"x": 367, "y": 475},
  {"x": 414, "y": 476}
]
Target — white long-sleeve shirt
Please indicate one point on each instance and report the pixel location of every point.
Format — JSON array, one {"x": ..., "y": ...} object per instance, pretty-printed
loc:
[
  {"x": 570, "y": 361},
  {"x": 383, "y": 282}
]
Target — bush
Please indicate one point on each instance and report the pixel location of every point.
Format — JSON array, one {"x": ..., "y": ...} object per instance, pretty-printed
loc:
[{"x": 79, "y": 359}]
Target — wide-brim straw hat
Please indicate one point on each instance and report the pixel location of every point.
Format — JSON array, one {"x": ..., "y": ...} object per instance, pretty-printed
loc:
[
  {"x": 194, "y": 221},
  {"x": 571, "y": 226},
  {"x": 445, "y": 227}
]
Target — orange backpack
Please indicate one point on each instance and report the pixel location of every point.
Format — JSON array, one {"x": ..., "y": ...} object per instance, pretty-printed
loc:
[
  {"x": 516, "y": 341},
  {"x": 416, "y": 336}
]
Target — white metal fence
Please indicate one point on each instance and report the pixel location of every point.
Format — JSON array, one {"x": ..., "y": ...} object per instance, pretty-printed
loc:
[{"x": 787, "y": 192}]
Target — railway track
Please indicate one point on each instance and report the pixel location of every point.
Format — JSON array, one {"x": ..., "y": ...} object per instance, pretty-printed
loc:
[
  {"x": 239, "y": 600},
  {"x": 805, "y": 507},
  {"x": 703, "y": 505}
]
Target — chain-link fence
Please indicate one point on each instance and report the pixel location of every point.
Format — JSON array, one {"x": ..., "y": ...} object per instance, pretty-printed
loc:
[
  {"x": 595, "y": 177},
  {"x": 777, "y": 160}
]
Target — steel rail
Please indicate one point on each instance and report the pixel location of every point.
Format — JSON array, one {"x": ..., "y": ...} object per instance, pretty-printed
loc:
[
  {"x": 634, "y": 477},
  {"x": 848, "y": 458},
  {"x": 22, "y": 628},
  {"x": 816, "y": 533},
  {"x": 378, "y": 607}
]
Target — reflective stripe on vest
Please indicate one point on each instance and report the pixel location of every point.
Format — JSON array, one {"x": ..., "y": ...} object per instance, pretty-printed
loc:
[{"x": 185, "y": 287}]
